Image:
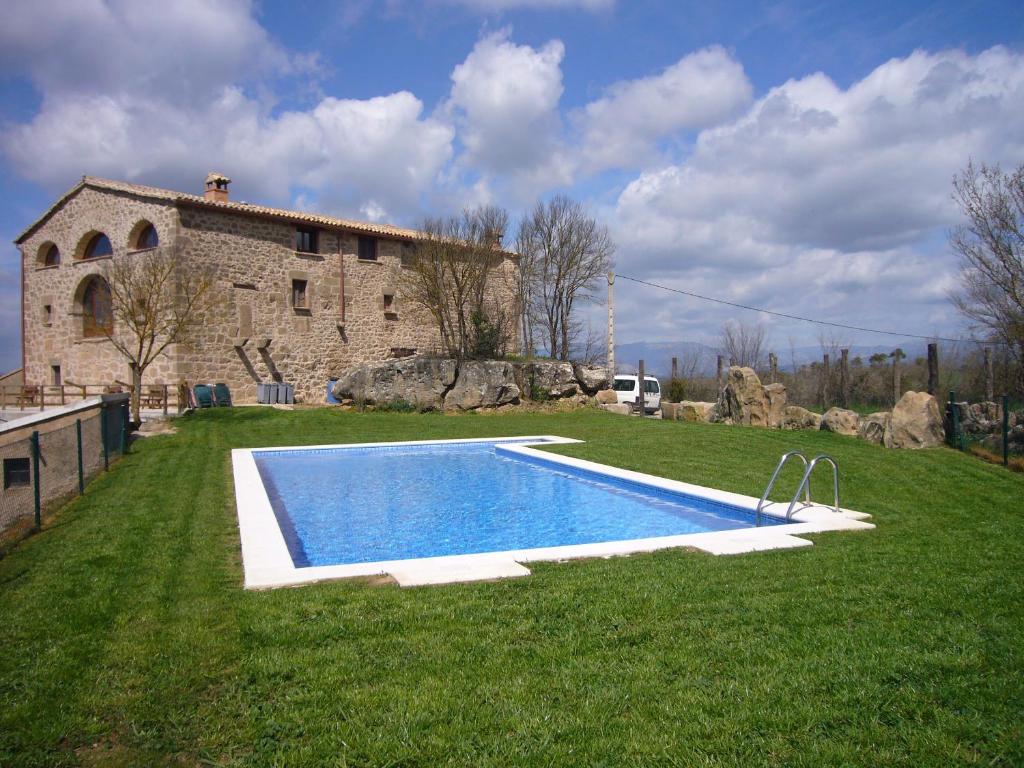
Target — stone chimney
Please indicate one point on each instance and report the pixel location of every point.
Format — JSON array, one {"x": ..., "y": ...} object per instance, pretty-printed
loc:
[{"x": 216, "y": 187}]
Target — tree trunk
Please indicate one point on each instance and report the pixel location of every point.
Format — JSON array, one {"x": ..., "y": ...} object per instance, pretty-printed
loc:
[{"x": 136, "y": 394}]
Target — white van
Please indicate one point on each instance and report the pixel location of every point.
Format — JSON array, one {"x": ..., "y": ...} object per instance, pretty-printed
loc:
[{"x": 627, "y": 390}]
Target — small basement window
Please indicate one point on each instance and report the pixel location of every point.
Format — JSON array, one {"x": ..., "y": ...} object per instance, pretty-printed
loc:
[
  {"x": 299, "y": 294},
  {"x": 47, "y": 314},
  {"x": 389, "y": 303},
  {"x": 307, "y": 240},
  {"x": 17, "y": 472},
  {"x": 367, "y": 248}
]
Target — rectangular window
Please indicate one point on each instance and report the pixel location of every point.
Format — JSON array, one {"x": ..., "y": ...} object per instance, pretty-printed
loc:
[
  {"x": 55, "y": 375},
  {"x": 299, "y": 294},
  {"x": 367, "y": 248},
  {"x": 17, "y": 473},
  {"x": 307, "y": 240},
  {"x": 47, "y": 314},
  {"x": 389, "y": 303}
]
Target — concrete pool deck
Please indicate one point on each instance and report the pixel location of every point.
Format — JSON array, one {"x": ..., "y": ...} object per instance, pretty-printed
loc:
[{"x": 267, "y": 562}]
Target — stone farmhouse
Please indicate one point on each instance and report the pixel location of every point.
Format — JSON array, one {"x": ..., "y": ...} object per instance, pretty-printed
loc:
[{"x": 297, "y": 297}]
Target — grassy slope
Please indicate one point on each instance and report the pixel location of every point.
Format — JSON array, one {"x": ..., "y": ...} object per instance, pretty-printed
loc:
[{"x": 125, "y": 638}]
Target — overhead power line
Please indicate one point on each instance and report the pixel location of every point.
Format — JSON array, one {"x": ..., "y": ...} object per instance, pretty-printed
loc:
[{"x": 801, "y": 319}]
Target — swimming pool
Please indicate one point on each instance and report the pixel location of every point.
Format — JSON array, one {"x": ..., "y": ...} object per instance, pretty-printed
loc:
[{"x": 431, "y": 510}]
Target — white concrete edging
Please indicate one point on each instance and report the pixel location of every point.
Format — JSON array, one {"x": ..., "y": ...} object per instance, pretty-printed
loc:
[{"x": 267, "y": 562}]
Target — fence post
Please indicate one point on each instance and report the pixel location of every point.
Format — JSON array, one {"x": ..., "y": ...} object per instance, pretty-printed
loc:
[
  {"x": 641, "y": 399},
  {"x": 104, "y": 436},
  {"x": 125, "y": 417},
  {"x": 35, "y": 479},
  {"x": 933, "y": 368},
  {"x": 773, "y": 367},
  {"x": 826, "y": 376},
  {"x": 720, "y": 375},
  {"x": 844, "y": 377},
  {"x": 989, "y": 376},
  {"x": 896, "y": 355},
  {"x": 954, "y": 420},
  {"x": 1006, "y": 430},
  {"x": 166, "y": 392},
  {"x": 675, "y": 368},
  {"x": 81, "y": 469}
]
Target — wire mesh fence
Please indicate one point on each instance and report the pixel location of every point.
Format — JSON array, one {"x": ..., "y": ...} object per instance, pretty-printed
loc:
[{"x": 50, "y": 459}]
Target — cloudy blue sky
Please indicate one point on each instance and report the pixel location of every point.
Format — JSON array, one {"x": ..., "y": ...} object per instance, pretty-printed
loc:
[{"x": 795, "y": 156}]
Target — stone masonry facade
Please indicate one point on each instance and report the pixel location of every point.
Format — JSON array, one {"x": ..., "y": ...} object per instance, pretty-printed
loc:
[{"x": 251, "y": 330}]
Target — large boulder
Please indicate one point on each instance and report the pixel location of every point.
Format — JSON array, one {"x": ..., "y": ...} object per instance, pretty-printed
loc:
[
  {"x": 743, "y": 399},
  {"x": 840, "y": 421},
  {"x": 873, "y": 426},
  {"x": 795, "y": 417},
  {"x": 693, "y": 410},
  {"x": 421, "y": 381},
  {"x": 483, "y": 384},
  {"x": 623, "y": 409},
  {"x": 775, "y": 404},
  {"x": 607, "y": 397},
  {"x": 916, "y": 422},
  {"x": 550, "y": 379},
  {"x": 591, "y": 378},
  {"x": 670, "y": 411}
]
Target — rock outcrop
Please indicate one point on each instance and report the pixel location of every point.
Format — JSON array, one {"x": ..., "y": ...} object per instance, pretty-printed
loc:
[
  {"x": 795, "y": 417},
  {"x": 775, "y": 404},
  {"x": 872, "y": 427},
  {"x": 840, "y": 421},
  {"x": 916, "y": 422},
  {"x": 422, "y": 381},
  {"x": 591, "y": 378},
  {"x": 434, "y": 383},
  {"x": 743, "y": 399},
  {"x": 693, "y": 410},
  {"x": 607, "y": 397},
  {"x": 623, "y": 409}
]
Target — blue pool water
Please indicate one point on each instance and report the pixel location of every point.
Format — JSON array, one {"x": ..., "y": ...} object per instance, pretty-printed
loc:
[{"x": 360, "y": 505}]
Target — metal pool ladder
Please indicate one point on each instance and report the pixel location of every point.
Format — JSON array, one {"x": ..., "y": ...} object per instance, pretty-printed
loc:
[{"x": 805, "y": 482}]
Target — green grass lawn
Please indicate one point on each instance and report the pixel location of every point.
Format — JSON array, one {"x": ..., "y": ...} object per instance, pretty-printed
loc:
[{"x": 126, "y": 639}]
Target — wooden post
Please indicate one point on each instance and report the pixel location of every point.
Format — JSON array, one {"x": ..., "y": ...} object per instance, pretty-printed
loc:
[
  {"x": 63, "y": 399},
  {"x": 826, "y": 376},
  {"x": 675, "y": 368},
  {"x": 611, "y": 330},
  {"x": 166, "y": 392},
  {"x": 641, "y": 399},
  {"x": 844, "y": 377},
  {"x": 773, "y": 367},
  {"x": 990, "y": 388},
  {"x": 42, "y": 397},
  {"x": 721, "y": 374},
  {"x": 896, "y": 355},
  {"x": 933, "y": 368}
]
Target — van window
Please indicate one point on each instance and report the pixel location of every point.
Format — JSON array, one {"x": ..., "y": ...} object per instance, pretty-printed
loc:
[
  {"x": 651, "y": 387},
  {"x": 623, "y": 385}
]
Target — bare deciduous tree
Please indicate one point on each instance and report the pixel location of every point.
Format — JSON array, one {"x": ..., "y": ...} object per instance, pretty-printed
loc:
[
  {"x": 563, "y": 253},
  {"x": 743, "y": 342},
  {"x": 154, "y": 302},
  {"x": 450, "y": 274},
  {"x": 990, "y": 247}
]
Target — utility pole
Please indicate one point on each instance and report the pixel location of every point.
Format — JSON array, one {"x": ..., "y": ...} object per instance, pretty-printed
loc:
[{"x": 611, "y": 329}]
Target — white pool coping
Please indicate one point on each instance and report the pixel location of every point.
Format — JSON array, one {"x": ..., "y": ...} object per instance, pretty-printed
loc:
[{"x": 267, "y": 562}]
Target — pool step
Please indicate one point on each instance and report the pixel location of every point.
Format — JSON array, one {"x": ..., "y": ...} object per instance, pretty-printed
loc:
[{"x": 449, "y": 570}]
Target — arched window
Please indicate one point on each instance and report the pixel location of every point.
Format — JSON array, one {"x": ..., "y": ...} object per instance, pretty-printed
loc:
[
  {"x": 98, "y": 246},
  {"x": 97, "y": 316},
  {"x": 50, "y": 255},
  {"x": 147, "y": 237}
]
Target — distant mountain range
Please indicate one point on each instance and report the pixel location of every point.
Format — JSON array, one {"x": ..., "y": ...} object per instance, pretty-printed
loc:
[{"x": 657, "y": 356}]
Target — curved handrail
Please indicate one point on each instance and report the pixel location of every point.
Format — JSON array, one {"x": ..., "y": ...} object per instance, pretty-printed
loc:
[
  {"x": 805, "y": 484},
  {"x": 775, "y": 476}
]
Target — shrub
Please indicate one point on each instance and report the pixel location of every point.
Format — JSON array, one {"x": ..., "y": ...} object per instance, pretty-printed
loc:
[{"x": 676, "y": 390}]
